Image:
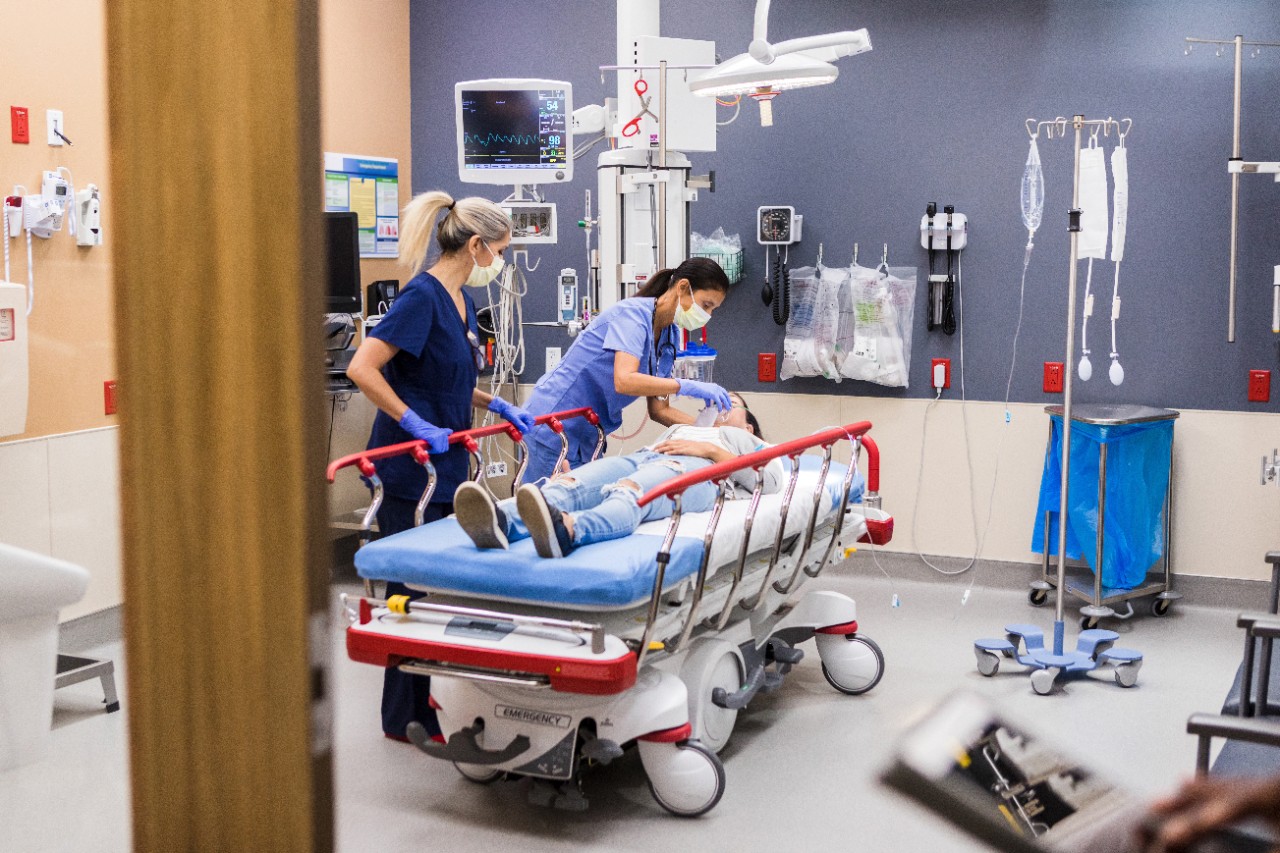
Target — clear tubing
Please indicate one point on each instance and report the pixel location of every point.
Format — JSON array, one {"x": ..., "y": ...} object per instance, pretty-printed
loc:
[{"x": 1032, "y": 191}]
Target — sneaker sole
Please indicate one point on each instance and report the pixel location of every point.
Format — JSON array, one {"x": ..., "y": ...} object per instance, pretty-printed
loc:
[
  {"x": 478, "y": 517},
  {"x": 536, "y": 516}
]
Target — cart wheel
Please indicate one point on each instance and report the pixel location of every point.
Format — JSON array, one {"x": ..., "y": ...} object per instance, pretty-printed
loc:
[
  {"x": 1160, "y": 606},
  {"x": 988, "y": 663},
  {"x": 852, "y": 663},
  {"x": 1038, "y": 597},
  {"x": 1126, "y": 675},
  {"x": 1089, "y": 623},
  {"x": 478, "y": 773},
  {"x": 686, "y": 778},
  {"x": 1042, "y": 681},
  {"x": 713, "y": 663}
]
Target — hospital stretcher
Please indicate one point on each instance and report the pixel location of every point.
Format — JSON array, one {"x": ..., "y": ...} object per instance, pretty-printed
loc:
[{"x": 543, "y": 667}]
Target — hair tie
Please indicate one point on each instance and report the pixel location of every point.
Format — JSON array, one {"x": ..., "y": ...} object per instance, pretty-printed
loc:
[{"x": 450, "y": 207}]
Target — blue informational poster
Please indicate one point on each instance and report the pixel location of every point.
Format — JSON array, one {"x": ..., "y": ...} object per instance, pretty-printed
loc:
[{"x": 369, "y": 186}]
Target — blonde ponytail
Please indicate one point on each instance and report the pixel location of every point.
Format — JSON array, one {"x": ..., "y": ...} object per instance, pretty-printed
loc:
[{"x": 463, "y": 219}]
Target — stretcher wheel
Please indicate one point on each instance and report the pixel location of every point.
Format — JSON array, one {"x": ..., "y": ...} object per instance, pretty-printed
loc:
[
  {"x": 1088, "y": 623},
  {"x": 988, "y": 663},
  {"x": 686, "y": 778},
  {"x": 1038, "y": 597},
  {"x": 1042, "y": 681},
  {"x": 712, "y": 664},
  {"x": 1160, "y": 606},
  {"x": 477, "y": 773},
  {"x": 852, "y": 663}
]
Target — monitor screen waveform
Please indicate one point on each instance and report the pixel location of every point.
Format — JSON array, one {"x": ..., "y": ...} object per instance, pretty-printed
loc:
[{"x": 514, "y": 130}]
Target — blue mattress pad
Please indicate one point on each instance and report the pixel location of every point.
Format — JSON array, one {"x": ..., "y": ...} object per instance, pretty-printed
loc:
[{"x": 606, "y": 575}]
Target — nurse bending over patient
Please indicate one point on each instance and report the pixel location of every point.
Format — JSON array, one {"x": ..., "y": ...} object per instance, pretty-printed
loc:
[
  {"x": 599, "y": 500},
  {"x": 625, "y": 353}
]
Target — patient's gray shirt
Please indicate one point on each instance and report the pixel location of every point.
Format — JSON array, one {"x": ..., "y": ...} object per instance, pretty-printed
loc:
[{"x": 737, "y": 441}]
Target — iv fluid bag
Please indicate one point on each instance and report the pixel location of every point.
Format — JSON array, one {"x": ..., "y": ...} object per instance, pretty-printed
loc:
[{"x": 1032, "y": 190}]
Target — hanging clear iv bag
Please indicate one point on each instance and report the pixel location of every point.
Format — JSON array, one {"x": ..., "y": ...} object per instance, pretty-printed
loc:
[{"x": 1032, "y": 190}]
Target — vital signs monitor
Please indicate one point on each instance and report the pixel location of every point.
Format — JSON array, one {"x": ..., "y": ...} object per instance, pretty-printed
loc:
[{"x": 514, "y": 131}]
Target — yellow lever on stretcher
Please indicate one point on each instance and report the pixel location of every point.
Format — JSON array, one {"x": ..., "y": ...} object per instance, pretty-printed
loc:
[
  {"x": 657, "y": 646},
  {"x": 398, "y": 604}
]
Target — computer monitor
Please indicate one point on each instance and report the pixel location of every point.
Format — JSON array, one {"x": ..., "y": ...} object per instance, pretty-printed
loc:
[
  {"x": 514, "y": 131},
  {"x": 342, "y": 250}
]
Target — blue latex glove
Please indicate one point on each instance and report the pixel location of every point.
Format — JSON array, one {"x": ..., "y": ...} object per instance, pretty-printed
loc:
[
  {"x": 708, "y": 392},
  {"x": 437, "y": 439},
  {"x": 522, "y": 420}
]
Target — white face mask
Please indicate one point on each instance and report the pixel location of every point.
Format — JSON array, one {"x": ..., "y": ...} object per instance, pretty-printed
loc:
[
  {"x": 481, "y": 276},
  {"x": 692, "y": 318}
]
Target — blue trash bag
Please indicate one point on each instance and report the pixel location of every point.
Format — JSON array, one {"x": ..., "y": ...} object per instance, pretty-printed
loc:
[{"x": 1137, "y": 480}]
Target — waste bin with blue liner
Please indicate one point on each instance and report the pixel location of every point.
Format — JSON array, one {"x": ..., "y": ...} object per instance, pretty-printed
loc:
[{"x": 1120, "y": 499}]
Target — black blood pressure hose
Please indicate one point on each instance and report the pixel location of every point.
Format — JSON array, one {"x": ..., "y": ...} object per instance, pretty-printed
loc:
[{"x": 782, "y": 286}]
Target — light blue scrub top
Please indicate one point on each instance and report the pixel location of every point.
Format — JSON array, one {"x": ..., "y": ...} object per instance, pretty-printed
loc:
[{"x": 584, "y": 376}]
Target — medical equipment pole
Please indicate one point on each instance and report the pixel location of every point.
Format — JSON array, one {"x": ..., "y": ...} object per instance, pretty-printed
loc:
[
  {"x": 662, "y": 164},
  {"x": 1235, "y": 194},
  {"x": 1074, "y": 229}
]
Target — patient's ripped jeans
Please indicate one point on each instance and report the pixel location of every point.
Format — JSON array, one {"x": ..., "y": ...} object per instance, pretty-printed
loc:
[{"x": 602, "y": 508}]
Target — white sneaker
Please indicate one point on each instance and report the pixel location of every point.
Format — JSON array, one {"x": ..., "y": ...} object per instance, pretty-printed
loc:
[{"x": 479, "y": 516}]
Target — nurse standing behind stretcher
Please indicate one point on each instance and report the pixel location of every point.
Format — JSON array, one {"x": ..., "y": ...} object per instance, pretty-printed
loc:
[
  {"x": 625, "y": 353},
  {"x": 419, "y": 366}
]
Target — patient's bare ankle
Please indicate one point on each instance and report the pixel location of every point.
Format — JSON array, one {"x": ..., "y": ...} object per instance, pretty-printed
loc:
[{"x": 568, "y": 521}]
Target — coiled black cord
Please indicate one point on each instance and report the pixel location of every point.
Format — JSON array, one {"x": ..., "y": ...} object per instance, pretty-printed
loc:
[{"x": 782, "y": 299}]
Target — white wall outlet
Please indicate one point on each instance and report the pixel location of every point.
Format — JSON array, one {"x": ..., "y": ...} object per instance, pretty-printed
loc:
[
  {"x": 553, "y": 358},
  {"x": 53, "y": 123},
  {"x": 496, "y": 469}
]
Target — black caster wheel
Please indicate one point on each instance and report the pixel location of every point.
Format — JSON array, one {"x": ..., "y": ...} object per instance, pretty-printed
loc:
[
  {"x": 1089, "y": 623},
  {"x": 1160, "y": 607},
  {"x": 1038, "y": 597}
]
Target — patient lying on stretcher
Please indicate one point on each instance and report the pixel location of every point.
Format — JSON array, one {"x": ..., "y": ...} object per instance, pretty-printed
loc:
[{"x": 599, "y": 501}]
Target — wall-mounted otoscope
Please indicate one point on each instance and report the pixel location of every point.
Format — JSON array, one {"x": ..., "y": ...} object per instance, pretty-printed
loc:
[{"x": 949, "y": 229}]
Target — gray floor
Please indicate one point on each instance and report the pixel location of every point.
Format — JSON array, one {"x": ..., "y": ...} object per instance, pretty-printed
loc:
[{"x": 801, "y": 766}]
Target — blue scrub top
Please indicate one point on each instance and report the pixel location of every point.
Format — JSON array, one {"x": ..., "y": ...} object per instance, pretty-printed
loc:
[
  {"x": 435, "y": 373},
  {"x": 584, "y": 376}
]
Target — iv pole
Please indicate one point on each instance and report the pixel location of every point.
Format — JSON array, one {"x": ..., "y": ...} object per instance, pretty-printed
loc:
[
  {"x": 1237, "y": 166},
  {"x": 1048, "y": 664}
]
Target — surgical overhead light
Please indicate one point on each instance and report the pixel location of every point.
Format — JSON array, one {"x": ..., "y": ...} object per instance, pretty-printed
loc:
[{"x": 767, "y": 69}]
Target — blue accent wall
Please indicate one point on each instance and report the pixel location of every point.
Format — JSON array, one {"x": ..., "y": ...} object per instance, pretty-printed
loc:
[{"x": 935, "y": 113}]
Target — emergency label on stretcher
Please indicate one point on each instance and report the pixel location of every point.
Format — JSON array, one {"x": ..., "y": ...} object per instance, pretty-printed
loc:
[{"x": 538, "y": 718}]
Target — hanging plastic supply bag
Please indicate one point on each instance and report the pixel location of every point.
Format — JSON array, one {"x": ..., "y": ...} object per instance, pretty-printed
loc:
[
  {"x": 807, "y": 349},
  {"x": 883, "y": 311}
]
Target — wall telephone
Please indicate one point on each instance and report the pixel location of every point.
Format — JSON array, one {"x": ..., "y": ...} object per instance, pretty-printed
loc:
[{"x": 380, "y": 295}]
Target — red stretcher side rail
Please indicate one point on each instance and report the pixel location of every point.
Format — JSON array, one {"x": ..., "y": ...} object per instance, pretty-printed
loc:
[
  {"x": 758, "y": 459},
  {"x": 467, "y": 438}
]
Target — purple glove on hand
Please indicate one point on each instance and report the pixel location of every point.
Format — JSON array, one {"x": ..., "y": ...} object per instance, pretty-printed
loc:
[
  {"x": 709, "y": 392},
  {"x": 437, "y": 439},
  {"x": 521, "y": 419}
]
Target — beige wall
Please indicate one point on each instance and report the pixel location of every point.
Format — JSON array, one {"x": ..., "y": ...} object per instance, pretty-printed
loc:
[
  {"x": 364, "y": 92},
  {"x": 54, "y": 58},
  {"x": 365, "y": 110}
]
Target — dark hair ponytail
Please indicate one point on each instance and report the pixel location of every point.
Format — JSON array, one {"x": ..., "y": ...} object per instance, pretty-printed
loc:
[{"x": 703, "y": 274}]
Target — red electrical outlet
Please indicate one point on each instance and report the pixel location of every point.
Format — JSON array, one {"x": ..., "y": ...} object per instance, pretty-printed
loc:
[
  {"x": 767, "y": 367},
  {"x": 1259, "y": 386},
  {"x": 20, "y": 119},
  {"x": 1053, "y": 377},
  {"x": 109, "y": 396},
  {"x": 945, "y": 363}
]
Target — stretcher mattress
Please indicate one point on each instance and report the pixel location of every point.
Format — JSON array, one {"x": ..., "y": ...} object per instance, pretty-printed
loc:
[{"x": 604, "y": 576}]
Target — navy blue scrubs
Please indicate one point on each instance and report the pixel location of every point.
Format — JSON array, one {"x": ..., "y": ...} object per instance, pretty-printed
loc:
[{"x": 435, "y": 373}]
